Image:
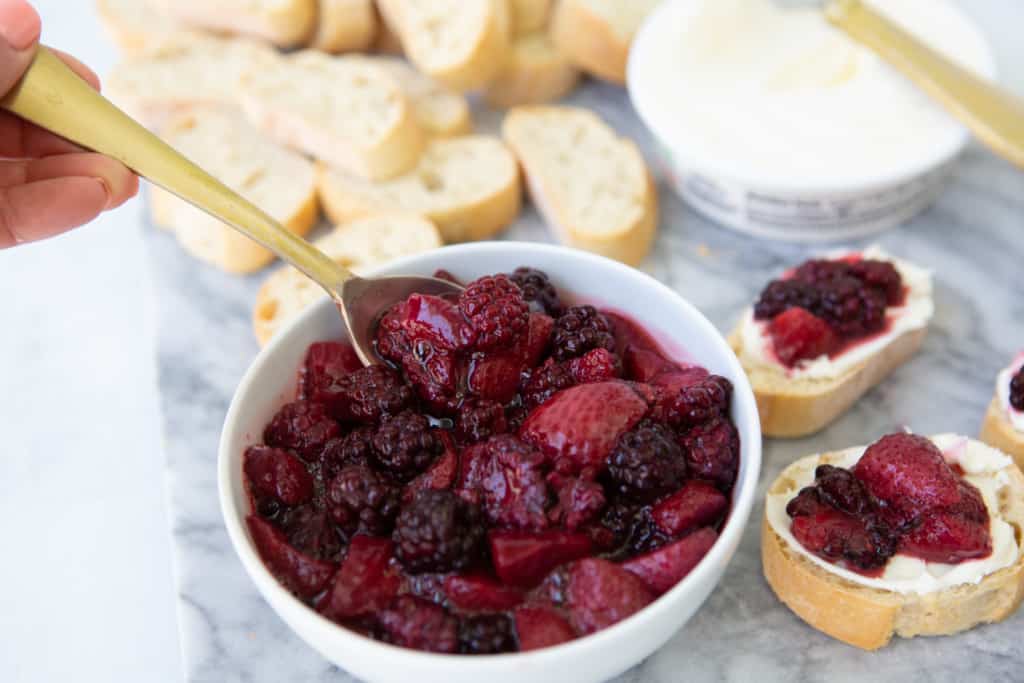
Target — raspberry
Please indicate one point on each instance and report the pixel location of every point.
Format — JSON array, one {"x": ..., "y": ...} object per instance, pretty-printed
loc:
[
  {"x": 597, "y": 365},
  {"x": 480, "y": 419},
  {"x": 880, "y": 275},
  {"x": 646, "y": 462},
  {"x": 354, "y": 449},
  {"x": 325, "y": 362},
  {"x": 405, "y": 445},
  {"x": 843, "y": 491},
  {"x": 699, "y": 402},
  {"x": 360, "y": 500},
  {"x": 419, "y": 624},
  {"x": 368, "y": 394},
  {"x": 486, "y": 634},
  {"x": 546, "y": 381},
  {"x": 580, "y": 329},
  {"x": 508, "y": 480},
  {"x": 712, "y": 451},
  {"x": 800, "y": 335},
  {"x": 781, "y": 295},
  {"x": 277, "y": 474},
  {"x": 303, "y": 427},
  {"x": 579, "y": 500},
  {"x": 495, "y": 308},
  {"x": 538, "y": 290},
  {"x": 1017, "y": 390},
  {"x": 850, "y": 307},
  {"x": 438, "y": 532}
]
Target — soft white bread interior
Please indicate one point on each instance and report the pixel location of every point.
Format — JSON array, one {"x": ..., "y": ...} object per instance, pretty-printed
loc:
[
  {"x": 344, "y": 110},
  {"x": 134, "y": 25},
  {"x": 468, "y": 186},
  {"x": 997, "y": 431},
  {"x": 276, "y": 179},
  {"x": 534, "y": 73},
  {"x": 597, "y": 34},
  {"x": 591, "y": 185},
  {"x": 285, "y": 23},
  {"x": 439, "y": 111},
  {"x": 344, "y": 26}
]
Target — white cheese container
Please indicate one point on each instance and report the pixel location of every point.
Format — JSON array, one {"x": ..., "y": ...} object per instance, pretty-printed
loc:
[{"x": 771, "y": 122}]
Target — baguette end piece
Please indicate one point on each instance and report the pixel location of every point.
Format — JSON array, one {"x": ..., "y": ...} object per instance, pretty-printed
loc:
[{"x": 997, "y": 431}]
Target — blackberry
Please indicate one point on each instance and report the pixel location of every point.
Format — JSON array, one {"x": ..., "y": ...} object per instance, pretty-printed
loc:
[
  {"x": 843, "y": 491},
  {"x": 817, "y": 271},
  {"x": 538, "y": 290},
  {"x": 646, "y": 462},
  {"x": 850, "y": 307},
  {"x": 805, "y": 503},
  {"x": 880, "y": 275},
  {"x": 303, "y": 427},
  {"x": 1017, "y": 390},
  {"x": 781, "y": 295},
  {"x": 633, "y": 530},
  {"x": 700, "y": 402},
  {"x": 546, "y": 381},
  {"x": 480, "y": 419},
  {"x": 438, "y": 532},
  {"x": 405, "y": 446},
  {"x": 354, "y": 449},
  {"x": 368, "y": 394},
  {"x": 486, "y": 634},
  {"x": 361, "y": 500},
  {"x": 581, "y": 329},
  {"x": 712, "y": 451},
  {"x": 495, "y": 307}
]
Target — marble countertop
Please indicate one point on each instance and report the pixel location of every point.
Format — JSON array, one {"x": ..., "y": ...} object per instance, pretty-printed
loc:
[{"x": 91, "y": 595}]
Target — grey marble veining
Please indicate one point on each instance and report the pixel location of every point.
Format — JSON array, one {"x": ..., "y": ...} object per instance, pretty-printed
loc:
[{"x": 971, "y": 239}]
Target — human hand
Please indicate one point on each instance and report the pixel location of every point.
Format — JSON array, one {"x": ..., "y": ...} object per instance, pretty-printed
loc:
[{"x": 47, "y": 184}]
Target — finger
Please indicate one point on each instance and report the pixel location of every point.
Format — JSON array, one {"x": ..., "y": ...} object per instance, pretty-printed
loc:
[
  {"x": 20, "y": 139},
  {"x": 121, "y": 183},
  {"x": 87, "y": 74},
  {"x": 48, "y": 207},
  {"x": 19, "y": 32}
]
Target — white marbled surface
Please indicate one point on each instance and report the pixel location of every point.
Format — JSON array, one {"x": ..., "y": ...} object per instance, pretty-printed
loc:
[{"x": 89, "y": 596}]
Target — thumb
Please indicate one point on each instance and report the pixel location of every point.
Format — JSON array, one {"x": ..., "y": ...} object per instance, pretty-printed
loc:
[{"x": 19, "y": 33}]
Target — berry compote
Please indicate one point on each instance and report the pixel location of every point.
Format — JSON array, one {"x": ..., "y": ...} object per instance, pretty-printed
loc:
[
  {"x": 825, "y": 305},
  {"x": 1017, "y": 390},
  {"x": 515, "y": 473}
]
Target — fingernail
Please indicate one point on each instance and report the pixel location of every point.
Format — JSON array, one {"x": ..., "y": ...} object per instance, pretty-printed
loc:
[
  {"x": 19, "y": 24},
  {"x": 106, "y": 191}
]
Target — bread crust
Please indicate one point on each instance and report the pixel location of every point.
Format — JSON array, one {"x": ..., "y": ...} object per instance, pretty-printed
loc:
[
  {"x": 286, "y": 23},
  {"x": 134, "y": 37},
  {"x": 529, "y": 16},
  {"x": 997, "y": 431},
  {"x": 344, "y": 26},
  {"x": 793, "y": 408},
  {"x": 868, "y": 618},
  {"x": 589, "y": 41},
  {"x": 532, "y": 77}
]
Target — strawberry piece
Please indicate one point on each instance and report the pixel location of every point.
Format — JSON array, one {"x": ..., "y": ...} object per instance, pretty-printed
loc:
[
  {"x": 301, "y": 574},
  {"x": 481, "y": 593},
  {"x": 277, "y": 474},
  {"x": 419, "y": 624},
  {"x": 522, "y": 558},
  {"x": 538, "y": 627},
  {"x": 326, "y": 362},
  {"x": 666, "y": 566},
  {"x": 580, "y": 500},
  {"x": 437, "y": 321},
  {"x": 601, "y": 593},
  {"x": 538, "y": 338},
  {"x": 441, "y": 475},
  {"x": 580, "y": 425},
  {"x": 643, "y": 365},
  {"x": 495, "y": 376},
  {"x": 949, "y": 538},
  {"x": 835, "y": 536},
  {"x": 797, "y": 334},
  {"x": 597, "y": 365},
  {"x": 366, "y": 582},
  {"x": 696, "y": 504}
]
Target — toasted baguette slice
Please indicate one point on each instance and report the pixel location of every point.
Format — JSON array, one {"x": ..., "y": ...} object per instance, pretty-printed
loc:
[
  {"x": 793, "y": 408},
  {"x": 529, "y": 16},
  {"x": 387, "y": 42},
  {"x": 279, "y": 181},
  {"x": 468, "y": 186},
  {"x": 535, "y": 73},
  {"x": 343, "y": 110},
  {"x": 360, "y": 244},
  {"x": 182, "y": 72},
  {"x": 591, "y": 186},
  {"x": 439, "y": 111},
  {"x": 868, "y": 617},
  {"x": 461, "y": 43},
  {"x": 997, "y": 431},
  {"x": 344, "y": 26},
  {"x": 596, "y": 34},
  {"x": 285, "y": 23},
  {"x": 134, "y": 25}
]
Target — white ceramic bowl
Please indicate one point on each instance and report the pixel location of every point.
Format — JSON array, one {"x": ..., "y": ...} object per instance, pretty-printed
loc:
[
  {"x": 270, "y": 382},
  {"x": 735, "y": 194}
]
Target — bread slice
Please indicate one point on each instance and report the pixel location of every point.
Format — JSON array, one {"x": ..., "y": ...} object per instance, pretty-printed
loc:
[
  {"x": 285, "y": 23},
  {"x": 591, "y": 186},
  {"x": 387, "y": 42},
  {"x": 277, "y": 180},
  {"x": 344, "y": 26},
  {"x": 867, "y": 617},
  {"x": 182, "y": 72},
  {"x": 997, "y": 431},
  {"x": 134, "y": 25},
  {"x": 460, "y": 43},
  {"x": 439, "y": 111},
  {"x": 535, "y": 73},
  {"x": 597, "y": 34},
  {"x": 360, "y": 244},
  {"x": 529, "y": 16},
  {"x": 343, "y": 110},
  {"x": 468, "y": 186}
]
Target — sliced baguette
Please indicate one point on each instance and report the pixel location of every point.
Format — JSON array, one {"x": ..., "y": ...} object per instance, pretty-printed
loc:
[
  {"x": 460, "y": 43},
  {"x": 387, "y": 41},
  {"x": 343, "y": 110},
  {"x": 596, "y": 34},
  {"x": 279, "y": 181},
  {"x": 997, "y": 431},
  {"x": 868, "y": 618},
  {"x": 181, "y": 72},
  {"x": 344, "y": 26},
  {"x": 529, "y": 16},
  {"x": 468, "y": 186},
  {"x": 535, "y": 73},
  {"x": 439, "y": 111},
  {"x": 134, "y": 25},
  {"x": 285, "y": 23},
  {"x": 591, "y": 186},
  {"x": 360, "y": 244}
]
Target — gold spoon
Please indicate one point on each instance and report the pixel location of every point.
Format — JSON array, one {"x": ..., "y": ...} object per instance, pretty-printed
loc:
[
  {"x": 53, "y": 97},
  {"x": 995, "y": 116}
]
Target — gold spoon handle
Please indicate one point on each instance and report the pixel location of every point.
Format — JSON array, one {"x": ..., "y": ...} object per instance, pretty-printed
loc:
[
  {"x": 54, "y": 97},
  {"x": 996, "y": 117}
]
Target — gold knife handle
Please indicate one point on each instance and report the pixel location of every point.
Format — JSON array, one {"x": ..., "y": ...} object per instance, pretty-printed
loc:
[
  {"x": 54, "y": 97},
  {"x": 996, "y": 117}
]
